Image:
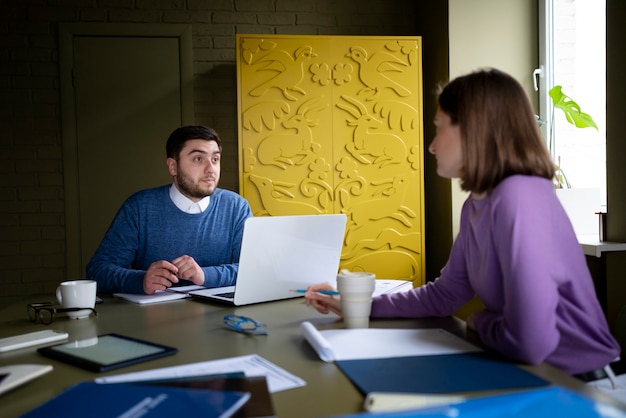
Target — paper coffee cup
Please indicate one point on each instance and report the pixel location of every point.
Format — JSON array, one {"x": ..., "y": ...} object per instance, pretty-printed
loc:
[
  {"x": 77, "y": 294},
  {"x": 356, "y": 289}
]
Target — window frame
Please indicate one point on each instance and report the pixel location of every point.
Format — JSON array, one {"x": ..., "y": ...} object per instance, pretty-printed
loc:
[
  {"x": 543, "y": 76},
  {"x": 544, "y": 80}
]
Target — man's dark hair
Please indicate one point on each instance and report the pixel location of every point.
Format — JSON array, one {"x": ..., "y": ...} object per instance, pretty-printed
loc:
[{"x": 177, "y": 139}]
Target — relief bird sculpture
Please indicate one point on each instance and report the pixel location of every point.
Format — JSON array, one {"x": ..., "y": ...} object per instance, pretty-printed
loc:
[
  {"x": 287, "y": 72},
  {"x": 296, "y": 147},
  {"x": 277, "y": 200},
  {"x": 373, "y": 72}
]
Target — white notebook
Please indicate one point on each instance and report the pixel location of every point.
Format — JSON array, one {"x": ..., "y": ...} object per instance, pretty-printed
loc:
[
  {"x": 370, "y": 343},
  {"x": 18, "y": 374}
]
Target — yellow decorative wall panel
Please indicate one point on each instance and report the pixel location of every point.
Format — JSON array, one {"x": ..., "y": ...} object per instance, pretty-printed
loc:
[{"x": 333, "y": 124}]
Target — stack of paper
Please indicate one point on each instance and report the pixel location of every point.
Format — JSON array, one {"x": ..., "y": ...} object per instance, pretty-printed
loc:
[{"x": 278, "y": 379}]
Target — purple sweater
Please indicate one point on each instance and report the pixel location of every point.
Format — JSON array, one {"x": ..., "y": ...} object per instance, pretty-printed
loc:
[{"x": 517, "y": 251}]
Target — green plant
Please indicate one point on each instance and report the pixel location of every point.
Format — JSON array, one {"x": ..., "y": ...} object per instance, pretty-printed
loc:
[{"x": 574, "y": 116}]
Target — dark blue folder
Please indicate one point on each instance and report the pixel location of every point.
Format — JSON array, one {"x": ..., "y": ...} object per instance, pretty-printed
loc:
[
  {"x": 447, "y": 373},
  {"x": 94, "y": 400}
]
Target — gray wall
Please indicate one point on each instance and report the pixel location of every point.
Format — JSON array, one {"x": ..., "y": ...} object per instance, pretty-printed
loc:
[
  {"x": 32, "y": 233},
  {"x": 473, "y": 45}
]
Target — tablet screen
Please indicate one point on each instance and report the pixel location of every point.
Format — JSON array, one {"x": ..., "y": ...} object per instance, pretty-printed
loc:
[{"x": 106, "y": 352}]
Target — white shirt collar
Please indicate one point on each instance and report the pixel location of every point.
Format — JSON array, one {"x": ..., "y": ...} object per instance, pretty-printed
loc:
[{"x": 185, "y": 204}]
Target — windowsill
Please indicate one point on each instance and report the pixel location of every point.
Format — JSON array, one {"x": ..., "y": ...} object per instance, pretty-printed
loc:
[{"x": 593, "y": 246}]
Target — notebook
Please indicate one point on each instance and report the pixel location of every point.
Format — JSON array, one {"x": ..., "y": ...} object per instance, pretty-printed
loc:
[{"x": 280, "y": 254}]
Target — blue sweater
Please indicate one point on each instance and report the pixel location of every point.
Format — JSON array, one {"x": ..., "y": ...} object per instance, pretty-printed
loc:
[{"x": 149, "y": 227}]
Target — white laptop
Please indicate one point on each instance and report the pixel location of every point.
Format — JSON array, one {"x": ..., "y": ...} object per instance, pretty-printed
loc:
[{"x": 280, "y": 254}]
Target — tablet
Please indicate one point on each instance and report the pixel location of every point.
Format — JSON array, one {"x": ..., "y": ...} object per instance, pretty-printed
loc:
[{"x": 106, "y": 352}]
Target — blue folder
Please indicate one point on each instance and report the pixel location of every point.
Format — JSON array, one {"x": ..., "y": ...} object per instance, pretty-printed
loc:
[
  {"x": 536, "y": 403},
  {"x": 447, "y": 373}
]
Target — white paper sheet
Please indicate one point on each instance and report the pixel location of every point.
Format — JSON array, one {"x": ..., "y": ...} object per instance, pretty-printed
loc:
[
  {"x": 175, "y": 293},
  {"x": 251, "y": 365},
  {"x": 367, "y": 343},
  {"x": 391, "y": 286}
]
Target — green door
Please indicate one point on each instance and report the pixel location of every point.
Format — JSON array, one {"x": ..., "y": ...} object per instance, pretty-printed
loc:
[{"x": 123, "y": 93}]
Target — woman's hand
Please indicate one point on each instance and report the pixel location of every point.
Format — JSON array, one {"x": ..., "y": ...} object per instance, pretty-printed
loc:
[
  {"x": 471, "y": 321},
  {"x": 323, "y": 303}
]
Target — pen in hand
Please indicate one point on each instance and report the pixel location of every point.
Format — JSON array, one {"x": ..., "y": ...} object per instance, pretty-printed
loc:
[{"x": 323, "y": 292}]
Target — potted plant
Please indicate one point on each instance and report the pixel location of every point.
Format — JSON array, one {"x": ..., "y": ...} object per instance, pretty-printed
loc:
[
  {"x": 581, "y": 204},
  {"x": 574, "y": 116}
]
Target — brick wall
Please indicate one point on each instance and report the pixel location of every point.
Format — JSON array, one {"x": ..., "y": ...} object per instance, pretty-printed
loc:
[{"x": 32, "y": 233}]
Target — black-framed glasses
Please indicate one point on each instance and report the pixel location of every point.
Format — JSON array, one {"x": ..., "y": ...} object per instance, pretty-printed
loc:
[
  {"x": 245, "y": 325},
  {"x": 44, "y": 311}
]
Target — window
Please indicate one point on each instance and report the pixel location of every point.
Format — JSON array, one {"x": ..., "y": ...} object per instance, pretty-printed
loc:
[{"x": 573, "y": 54}]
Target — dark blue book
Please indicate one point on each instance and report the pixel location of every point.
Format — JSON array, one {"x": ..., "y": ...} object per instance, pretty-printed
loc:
[
  {"x": 446, "y": 373},
  {"x": 97, "y": 400},
  {"x": 259, "y": 405}
]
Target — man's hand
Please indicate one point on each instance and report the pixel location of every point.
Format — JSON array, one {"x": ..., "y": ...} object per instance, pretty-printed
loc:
[
  {"x": 159, "y": 276},
  {"x": 188, "y": 269}
]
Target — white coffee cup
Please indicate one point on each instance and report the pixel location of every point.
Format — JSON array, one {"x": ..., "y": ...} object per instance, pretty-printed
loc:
[
  {"x": 356, "y": 289},
  {"x": 77, "y": 294}
]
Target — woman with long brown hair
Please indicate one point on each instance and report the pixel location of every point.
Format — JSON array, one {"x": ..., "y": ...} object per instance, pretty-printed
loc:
[{"x": 516, "y": 248}]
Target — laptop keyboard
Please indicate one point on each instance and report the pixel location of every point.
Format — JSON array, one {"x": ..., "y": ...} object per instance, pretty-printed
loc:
[{"x": 229, "y": 295}]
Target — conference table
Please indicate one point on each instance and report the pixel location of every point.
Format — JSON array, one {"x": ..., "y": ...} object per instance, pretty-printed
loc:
[{"x": 197, "y": 330}]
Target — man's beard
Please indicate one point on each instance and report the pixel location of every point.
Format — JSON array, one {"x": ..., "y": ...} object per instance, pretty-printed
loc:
[{"x": 192, "y": 190}]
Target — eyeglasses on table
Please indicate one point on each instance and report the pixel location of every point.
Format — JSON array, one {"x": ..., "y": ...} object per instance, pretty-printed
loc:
[
  {"x": 245, "y": 325},
  {"x": 45, "y": 311}
]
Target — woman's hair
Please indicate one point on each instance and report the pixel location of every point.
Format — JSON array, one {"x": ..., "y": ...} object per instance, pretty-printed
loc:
[
  {"x": 177, "y": 139},
  {"x": 499, "y": 133}
]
